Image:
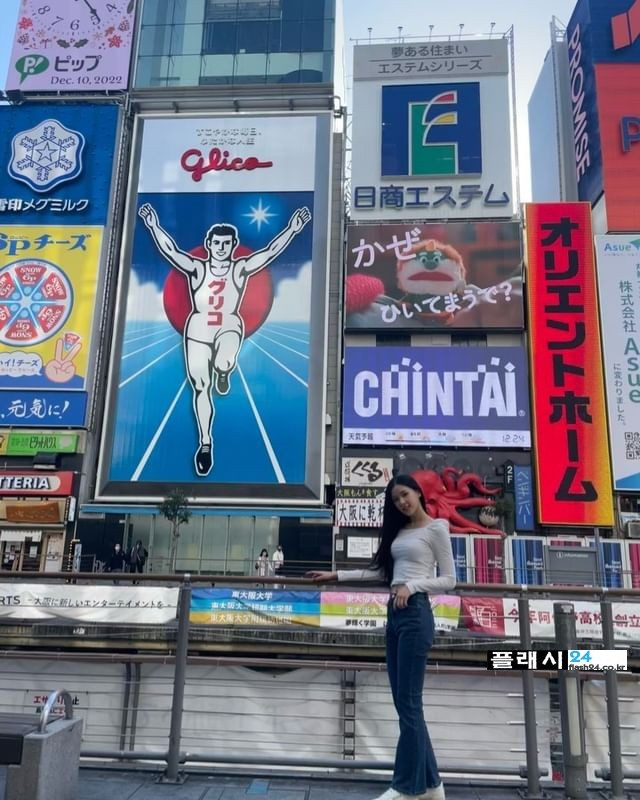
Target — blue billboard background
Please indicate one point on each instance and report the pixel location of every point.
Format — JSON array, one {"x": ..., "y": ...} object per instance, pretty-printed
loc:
[
  {"x": 64, "y": 202},
  {"x": 259, "y": 428},
  {"x": 603, "y": 17},
  {"x": 31, "y": 409},
  {"x": 528, "y": 560},
  {"x": 584, "y": 100}
]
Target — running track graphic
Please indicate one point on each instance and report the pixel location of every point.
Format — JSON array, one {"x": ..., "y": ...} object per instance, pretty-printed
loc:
[{"x": 259, "y": 428}]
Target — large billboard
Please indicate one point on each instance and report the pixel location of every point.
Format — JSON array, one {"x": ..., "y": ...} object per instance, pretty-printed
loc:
[
  {"x": 570, "y": 439},
  {"x": 619, "y": 114},
  {"x": 71, "y": 46},
  {"x": 432, "y": 276},
  {"x": 618, "y": 263},
  {"x": 604, "y": 54},
  {"x": 418, "y": 396},
  {"x": 218, "y": 377},
  {"x": 431, "y": 131},
  {"x": 56, "y": 163}
]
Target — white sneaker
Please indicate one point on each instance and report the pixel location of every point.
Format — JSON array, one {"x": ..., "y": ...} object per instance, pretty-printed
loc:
[
  {"x": 437, "y": 793},
  {"x": 394, "y": 794}
]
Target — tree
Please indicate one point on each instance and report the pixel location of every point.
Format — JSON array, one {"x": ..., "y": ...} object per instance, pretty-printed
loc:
[{"x": 175, "y": 508}]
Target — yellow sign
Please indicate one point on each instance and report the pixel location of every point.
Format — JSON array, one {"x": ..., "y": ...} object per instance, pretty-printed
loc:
[{"x": 48, "y": 279}]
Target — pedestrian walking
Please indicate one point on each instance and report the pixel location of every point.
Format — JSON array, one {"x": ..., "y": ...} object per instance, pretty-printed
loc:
[
  {"x": 411, "y": 544},
  {"x": 137, "y": 557}
]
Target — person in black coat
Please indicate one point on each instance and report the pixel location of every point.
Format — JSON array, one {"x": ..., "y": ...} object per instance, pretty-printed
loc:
[
  {"x": 117, "y": 561},
  {"x": 137, "y": 557}
]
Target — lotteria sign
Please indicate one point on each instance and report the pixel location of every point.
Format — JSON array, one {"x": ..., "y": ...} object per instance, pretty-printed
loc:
[
  {"x": 436, "y": 395},
  {"x": 32, "y": 483}
]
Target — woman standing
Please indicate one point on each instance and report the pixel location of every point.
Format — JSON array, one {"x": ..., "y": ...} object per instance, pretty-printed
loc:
[
  {"x": 263, "y": 564},
  {"x": 410, "y": 546}
]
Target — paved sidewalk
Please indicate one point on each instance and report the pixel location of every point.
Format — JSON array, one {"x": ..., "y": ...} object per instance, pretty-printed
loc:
[{"x": 112, "y": 784}]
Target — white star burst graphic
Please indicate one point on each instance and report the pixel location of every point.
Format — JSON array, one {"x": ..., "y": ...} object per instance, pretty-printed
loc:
[{"x": 259, "y": 215}]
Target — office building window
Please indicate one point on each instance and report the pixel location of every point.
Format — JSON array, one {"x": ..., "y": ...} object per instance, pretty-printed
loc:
[{"x": 187, "y": 42}]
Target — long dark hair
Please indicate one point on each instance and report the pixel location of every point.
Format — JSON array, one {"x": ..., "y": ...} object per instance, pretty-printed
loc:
[{"x": 392, "y": 522}]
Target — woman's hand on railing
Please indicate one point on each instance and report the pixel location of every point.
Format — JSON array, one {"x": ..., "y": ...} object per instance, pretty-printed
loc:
[{"x": 320, "y": 576}]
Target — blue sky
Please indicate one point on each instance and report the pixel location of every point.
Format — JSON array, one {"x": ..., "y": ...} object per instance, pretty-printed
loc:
[{"x": 530, "y": 21}]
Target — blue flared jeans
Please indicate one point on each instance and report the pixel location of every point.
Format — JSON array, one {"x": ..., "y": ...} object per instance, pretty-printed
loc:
[{"x": 410, "y": 634}]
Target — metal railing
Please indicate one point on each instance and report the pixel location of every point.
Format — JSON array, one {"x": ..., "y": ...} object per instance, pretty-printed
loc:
[{"x": 167, "y": 705}]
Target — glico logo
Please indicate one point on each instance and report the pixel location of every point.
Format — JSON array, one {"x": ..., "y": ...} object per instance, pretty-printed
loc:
[
  {"x": 625, "y": 27},
  {"x": 431, "y": 130}
]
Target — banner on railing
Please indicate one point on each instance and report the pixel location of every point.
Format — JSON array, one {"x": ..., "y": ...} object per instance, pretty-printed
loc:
[
  {"x": 118, "y": 605},
  {"x": 340, "y": 610}
]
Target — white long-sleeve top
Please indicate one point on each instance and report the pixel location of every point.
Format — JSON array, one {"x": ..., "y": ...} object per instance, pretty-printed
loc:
[{"x": 415, "y": 553}]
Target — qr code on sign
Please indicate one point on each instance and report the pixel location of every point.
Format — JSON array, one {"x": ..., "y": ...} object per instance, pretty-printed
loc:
[{"x": 632, "y": 446}]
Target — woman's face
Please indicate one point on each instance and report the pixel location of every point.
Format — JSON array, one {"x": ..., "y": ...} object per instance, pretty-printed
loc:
[{"x": 405, "y": 499}]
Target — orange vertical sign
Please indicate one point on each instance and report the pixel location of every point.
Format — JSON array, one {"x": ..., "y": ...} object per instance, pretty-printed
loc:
[{"x": 570, "y": 428}]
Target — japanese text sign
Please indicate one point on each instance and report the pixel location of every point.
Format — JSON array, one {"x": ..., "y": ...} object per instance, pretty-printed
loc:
[
  {"x": 430, "y": 59},
  {"x": 139, "y": 605},
  {"x": 431, "y": 276},
  {"x": 462, "y": 396},
  {"x": 571, "y": 440},
  {"x": 618, "y": 263},
  {"x": 48, "y": 278},
  {"x": 431, "y": 134},
  {"x": 15, "y": 443},
  {"x": 359, "y": 507},
  {"x": 366, "y": 471},
  {"x": 56, "y": 163},
  {"x": 71, "y": 47}
]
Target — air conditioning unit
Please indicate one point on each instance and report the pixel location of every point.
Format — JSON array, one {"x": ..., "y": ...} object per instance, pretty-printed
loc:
[{"x": 633, "y": 529}]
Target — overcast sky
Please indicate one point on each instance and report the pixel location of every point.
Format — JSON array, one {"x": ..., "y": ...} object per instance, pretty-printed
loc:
[{"x": 530, "y": 22}]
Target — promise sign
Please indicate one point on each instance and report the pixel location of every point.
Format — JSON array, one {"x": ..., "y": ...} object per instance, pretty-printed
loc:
[{"x": 570, "y": 429}]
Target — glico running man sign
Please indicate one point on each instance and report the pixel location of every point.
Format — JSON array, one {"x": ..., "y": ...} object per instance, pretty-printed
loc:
[
  {"x": 222, "y": 335},
  {"x": 436, "y": 396}
]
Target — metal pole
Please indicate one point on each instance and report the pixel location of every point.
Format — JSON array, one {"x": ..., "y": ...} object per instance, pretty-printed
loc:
[
  {"x": 613, "y": 711},
  {"x": 533, "y": 791},
  {"x": 172, "y": 774},
  {"x": 571, "y": 712}
]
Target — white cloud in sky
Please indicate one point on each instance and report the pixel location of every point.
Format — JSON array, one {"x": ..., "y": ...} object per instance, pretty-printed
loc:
[
  {"x": 293, "y": 298},
  {"x": 144, "y": 301}
]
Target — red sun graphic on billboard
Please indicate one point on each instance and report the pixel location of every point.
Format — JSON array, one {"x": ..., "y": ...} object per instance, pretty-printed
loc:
[{"x": 254, "y": 308}]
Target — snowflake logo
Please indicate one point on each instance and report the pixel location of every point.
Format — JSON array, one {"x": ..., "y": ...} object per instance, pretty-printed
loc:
[{"x": 46, "y": 155}]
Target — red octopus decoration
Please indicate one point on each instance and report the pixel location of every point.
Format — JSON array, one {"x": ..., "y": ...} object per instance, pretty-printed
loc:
[{"x": 445, "y": 493}]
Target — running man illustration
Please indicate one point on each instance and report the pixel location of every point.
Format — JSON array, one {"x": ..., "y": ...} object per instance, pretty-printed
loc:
[{"x": 214, "y": 331}]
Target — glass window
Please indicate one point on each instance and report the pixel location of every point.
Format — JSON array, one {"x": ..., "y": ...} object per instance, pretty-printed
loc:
[
  {"x": 162, "y": 539},
  {"x": 313, "y": 9},
  {"x": 154, "y": 40},
  {"x": 252, "y": 37},
  {"x": 184, "y": 71},
  {"x": 152, "y": 71},
  {"x": 214, "y": 544},
  {"x": 240, "y": 552},
  {"x": 219, "y": 37},
  {"x": 280, "y": 64},
  {"x": 291, "y": 9},
  {"x": 216, "y": 69},
  {"x": 156, "y": 12},
  {"x": 186, "y": 40},
  {"x": 313, "y": 35},
  {"x": 267, "y": 530},
  {"x": 140, "y": 528},
  {"x": 221, "y": 9},
  {"x": 253, "y": 9},
  {"x": 290, "y": 37},
  {"x": 274, "y": 36},
  {"x": 312, "y": 61},
  {"x": 190, "y": 545},
  {"x": 251, "y": 68}
]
